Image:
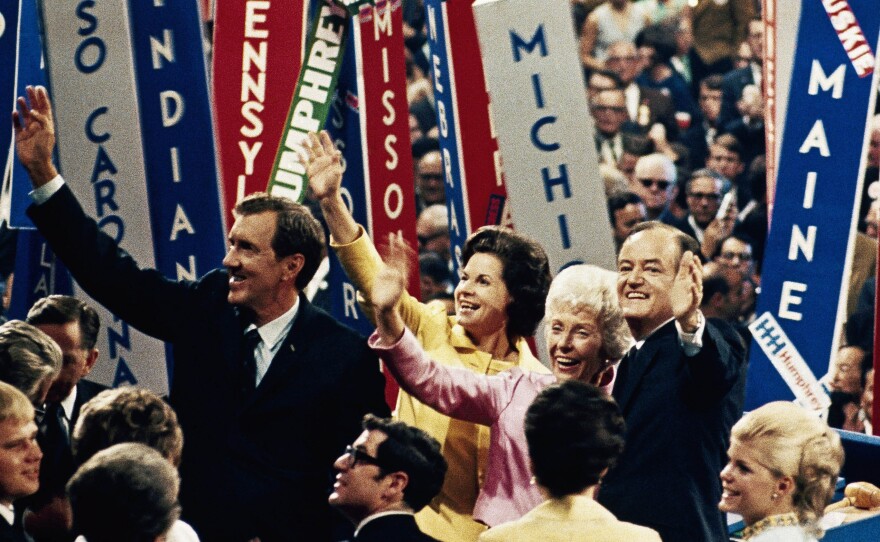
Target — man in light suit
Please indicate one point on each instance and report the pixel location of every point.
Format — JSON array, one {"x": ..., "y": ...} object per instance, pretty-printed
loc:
[
  {"x": 267, "y": 387},
  {"x": 575, "y": 433},
  {"x": 390, "y": 472},
  {"x": 680, "y": 389}
]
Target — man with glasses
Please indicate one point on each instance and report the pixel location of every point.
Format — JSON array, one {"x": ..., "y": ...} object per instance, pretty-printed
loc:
[
  {"x": 704, "y": 193},
  {"x": 390, "y": 472},
  {"x": 655, "y": 183},
  {"x": 735, "y": 252},
  {"x": 608, "y": 108}
]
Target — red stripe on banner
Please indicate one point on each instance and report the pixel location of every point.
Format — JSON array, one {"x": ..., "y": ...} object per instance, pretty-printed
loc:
[
  {"x": 851, "y": 36},
  {"x": 480, "y": 158},
  {"x": 388, "y": 167},
  {"x": 258, "y": 48}
]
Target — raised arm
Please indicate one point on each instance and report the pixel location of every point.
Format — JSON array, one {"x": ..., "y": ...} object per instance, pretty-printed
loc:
[
  {"x": 35, "y": 135},
  {"x": 324, "y": 168},
  {"x": 453, "y": 391}
]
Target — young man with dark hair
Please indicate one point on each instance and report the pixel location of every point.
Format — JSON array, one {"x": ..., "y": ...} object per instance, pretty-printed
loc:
[{"x": 390, "y": 472}]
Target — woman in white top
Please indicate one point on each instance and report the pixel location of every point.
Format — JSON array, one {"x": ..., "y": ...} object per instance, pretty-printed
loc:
[{"x": 781, "y": 474}]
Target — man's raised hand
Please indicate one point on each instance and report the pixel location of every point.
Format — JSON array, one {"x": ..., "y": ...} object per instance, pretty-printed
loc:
[
  {"x": 35, "y": 135},
  {"x": 323, "y": 165},
  {"x": 687, "y": 291}
]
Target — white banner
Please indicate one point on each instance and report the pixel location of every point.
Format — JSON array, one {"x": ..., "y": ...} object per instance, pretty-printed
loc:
[
  {"x": 92, "y": 73},
  {"x": 545, "y": 131}
]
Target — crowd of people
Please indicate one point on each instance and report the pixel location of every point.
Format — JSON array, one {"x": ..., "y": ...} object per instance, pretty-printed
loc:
[{"x": 276, "y": 426}]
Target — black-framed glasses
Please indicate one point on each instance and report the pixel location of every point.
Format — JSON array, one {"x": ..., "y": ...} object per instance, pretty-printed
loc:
[
  {"x": 662, "y": 184},
  {"x": 741, "y": 256},
  {"x": 356, "y": 456}
]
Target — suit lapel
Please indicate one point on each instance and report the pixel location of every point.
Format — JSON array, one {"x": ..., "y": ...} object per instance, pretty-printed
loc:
[
  {"x": 633, "y": 372},
  {"x": 289, "y": 354}
]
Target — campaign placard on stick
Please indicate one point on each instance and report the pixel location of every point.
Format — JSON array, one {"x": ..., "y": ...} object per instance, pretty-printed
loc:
[
  {"x": 820, "y": 174},
  {"x": 120, "y": 85},
  {"x": 540, "y": 112},
  {"x": 475, "y": 192},
  {"x": 258, "y": 49}
]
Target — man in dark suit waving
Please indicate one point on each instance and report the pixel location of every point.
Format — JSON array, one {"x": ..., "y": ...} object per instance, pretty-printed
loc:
[
  {"x": 680, "y": 390},
  {"x": 267, "y": 388}
]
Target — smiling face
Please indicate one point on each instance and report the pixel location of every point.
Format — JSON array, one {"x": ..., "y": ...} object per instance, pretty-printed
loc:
[
  {"x": 574, "y": 342},
  {"x": 258, "y": 280},
  {"x": 748, "y": 486},
  {"x": 19, "y": 459},
  {"x": 481, "y": 297},
  {"x": 647, "y": 265},
  {"x": 359, "y": 485}
]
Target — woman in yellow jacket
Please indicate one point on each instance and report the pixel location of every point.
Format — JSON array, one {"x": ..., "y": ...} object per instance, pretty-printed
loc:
[{"x": 498, "y": 302}]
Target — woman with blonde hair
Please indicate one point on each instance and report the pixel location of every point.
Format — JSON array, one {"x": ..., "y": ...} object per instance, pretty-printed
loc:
[{"x": 782, "y": 471}]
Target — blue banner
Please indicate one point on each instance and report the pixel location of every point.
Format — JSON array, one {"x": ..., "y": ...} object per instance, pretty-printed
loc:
[
  {"x": 344, "y": 126},
  {"x": 819, "y": 182},
  {"x": 37, "y": 274},
  {"x": 447, "y": 122},
  {"x": 27, "y": 69}
]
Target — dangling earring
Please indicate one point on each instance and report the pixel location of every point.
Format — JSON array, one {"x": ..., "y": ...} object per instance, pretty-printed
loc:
[{"x": 774, "y": 496}]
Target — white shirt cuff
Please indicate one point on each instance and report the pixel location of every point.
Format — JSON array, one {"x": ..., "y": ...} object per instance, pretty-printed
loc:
[
  {"x": 691, "y": 343},
  {"x": 42, "y": 194}
]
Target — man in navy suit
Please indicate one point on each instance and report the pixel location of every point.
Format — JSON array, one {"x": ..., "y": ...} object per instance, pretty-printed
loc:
[
  {"x": 74, "y": 326},
  {"x": 736, "y": 80},
  {"x": 267, "y": 387},
  {"x": 388, "y": 474},
  {"x": 680, "y": 390}
]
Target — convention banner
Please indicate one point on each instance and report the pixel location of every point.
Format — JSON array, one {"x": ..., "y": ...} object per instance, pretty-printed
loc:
[
  {"x": 258, "y": 49},
  {"x": 819, "y": 182},
  {"x": 384, "y": 124},
  {"x": 130, "y": 90},
  {"x": 21, "y": 43},
  {"x": 540, "y": 111},
  {"x": 37, "y": 274},
  {"x": 311, "y": 98},
  {"x": 475, "y": 192}
]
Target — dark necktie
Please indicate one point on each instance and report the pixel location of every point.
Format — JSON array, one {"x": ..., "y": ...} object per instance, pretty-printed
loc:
[
  {"x": 56, "y": 466},
  {"x": 248, "y": 382}
]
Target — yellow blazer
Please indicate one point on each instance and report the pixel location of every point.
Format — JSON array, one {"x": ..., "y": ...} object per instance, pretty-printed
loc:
[
  {"x": 719, "y": 26},
  {"x": 465, "y": 445},
  {"x": 570, "y": 518}
]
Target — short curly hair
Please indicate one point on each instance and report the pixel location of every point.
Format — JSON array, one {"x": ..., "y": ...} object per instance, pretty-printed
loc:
[
  {"x": 525, "y": 272},
  {"x": 587, "y": 287},
  {"x": 127, "y": 415}
]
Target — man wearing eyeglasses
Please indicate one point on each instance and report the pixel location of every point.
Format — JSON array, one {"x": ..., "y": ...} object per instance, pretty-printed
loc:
[
  {"x": 430, "y": 188},
  {"x": 655, "y": 183},
  {"x": 704, "y": 190},
  {"x": 390, "y": 472},
  {"x": 608, "y": 108}
]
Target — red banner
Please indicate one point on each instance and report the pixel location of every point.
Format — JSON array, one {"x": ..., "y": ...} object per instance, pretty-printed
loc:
[
  {"x": 258, "y": 48},
  {"x": 480, "y": 158}
]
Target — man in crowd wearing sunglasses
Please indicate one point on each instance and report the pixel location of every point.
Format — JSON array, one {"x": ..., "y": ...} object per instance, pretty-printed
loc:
[
  {"x": 655, "y": 184},
  {"x": 390, "y": 472}
]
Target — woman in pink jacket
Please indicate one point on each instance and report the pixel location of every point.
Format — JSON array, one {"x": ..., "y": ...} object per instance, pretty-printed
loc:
[{"x": 585, "y": 333}]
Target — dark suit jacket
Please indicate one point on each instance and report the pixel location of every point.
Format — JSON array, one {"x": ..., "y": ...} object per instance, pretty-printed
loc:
[
  {"x": 8, "y": 533},
  {"x": 393, "y": 528},
  {"x": 86, "y": 390},
  {"x": 678, "y": 411},
  {"x": 255, "y": 467},
  {"x": 662, "y": 110},
  {"x": 731, "y": 91}
]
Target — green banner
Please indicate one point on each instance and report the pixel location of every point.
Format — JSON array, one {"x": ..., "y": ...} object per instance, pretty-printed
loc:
[{"x": 314, "y": 92}]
